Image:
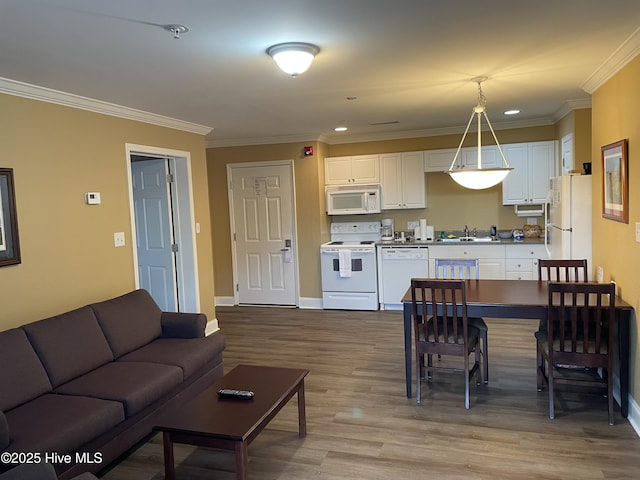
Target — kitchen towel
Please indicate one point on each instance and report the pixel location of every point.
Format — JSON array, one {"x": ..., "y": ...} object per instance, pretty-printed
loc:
[{"x": 344, "y": 262}]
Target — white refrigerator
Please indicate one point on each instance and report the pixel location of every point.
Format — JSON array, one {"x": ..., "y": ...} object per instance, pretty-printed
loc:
[{"x": 569, "y": 226}]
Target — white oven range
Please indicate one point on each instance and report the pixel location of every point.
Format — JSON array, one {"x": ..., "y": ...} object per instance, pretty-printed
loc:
[{"x": 349, "y": 266}]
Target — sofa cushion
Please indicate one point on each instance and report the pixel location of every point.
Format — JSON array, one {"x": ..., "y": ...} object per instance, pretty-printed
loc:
[
  {"x": 31, "y": 471},
  {"x": 129, "y": 321},
  {"x": 134, "y": 384},
  {"x": 60, "y": 423},
  {"x": 4, "y": 431},
  {"x": 22, "y": 376},
  {"x": 69, "y": 344},
  {"x": 188, "y": 354}
]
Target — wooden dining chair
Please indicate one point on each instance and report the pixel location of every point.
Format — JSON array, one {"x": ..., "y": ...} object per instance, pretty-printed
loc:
[
  {"x": 462, "y": 268},
  {"x": 555, "y": 270},
  {"x": 446, "y": 331},
  {"x": 579, "y": 333}
]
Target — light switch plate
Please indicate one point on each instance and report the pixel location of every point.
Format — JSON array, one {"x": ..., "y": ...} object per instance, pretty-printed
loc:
[{"x": 118, "y": 239}]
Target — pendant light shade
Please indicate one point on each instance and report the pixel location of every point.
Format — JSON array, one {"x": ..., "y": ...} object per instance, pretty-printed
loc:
[
  {"x": 293, "y": 58},
  {"x": 478, "y": 178}
]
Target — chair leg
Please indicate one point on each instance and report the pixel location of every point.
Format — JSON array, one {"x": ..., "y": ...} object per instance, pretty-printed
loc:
[
  {"x": 419, "y": 369},
  {"x": 539, "y": 367},
  {"x": 485, "y": 357},
  {"x": 552, "y": 413},
  {"x": 610, "y": 394},
  {"x": 466, "y": 382}
]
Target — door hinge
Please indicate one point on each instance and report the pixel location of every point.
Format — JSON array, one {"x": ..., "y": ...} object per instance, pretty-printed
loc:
[
  {"x": 237, "y": 287},
  {"x": 169, "y": 177},
  {"x": 174, "y": 247}
]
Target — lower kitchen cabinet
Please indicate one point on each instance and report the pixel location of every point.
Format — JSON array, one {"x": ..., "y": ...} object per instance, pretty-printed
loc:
[
  {"x": 491, "y": 258},
  {"x": 522, "y": 261}
]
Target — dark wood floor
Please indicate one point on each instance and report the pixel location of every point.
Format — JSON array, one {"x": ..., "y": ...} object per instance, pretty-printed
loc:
[{"x": 361, "y": 425}]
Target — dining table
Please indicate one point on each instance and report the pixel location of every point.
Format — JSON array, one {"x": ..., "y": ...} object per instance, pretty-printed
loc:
[{"x": 521, "y": 299}]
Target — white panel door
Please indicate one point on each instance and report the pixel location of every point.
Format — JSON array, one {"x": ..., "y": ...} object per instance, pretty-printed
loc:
[
  {"x": 263, "y": 224},
  {"x": 154, "y": 231}
]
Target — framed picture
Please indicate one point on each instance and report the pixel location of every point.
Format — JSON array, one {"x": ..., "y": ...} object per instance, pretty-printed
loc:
[
  {"x": 615, "y": 182},
  {"x": 9, "y": 244}
]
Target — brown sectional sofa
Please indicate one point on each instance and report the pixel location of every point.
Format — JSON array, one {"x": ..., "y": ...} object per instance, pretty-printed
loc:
[{"x": 93, "y": 381}]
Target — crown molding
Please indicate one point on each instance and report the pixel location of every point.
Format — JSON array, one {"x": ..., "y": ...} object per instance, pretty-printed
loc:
[
  {"x": 612, "y": 65},
  {"x": 571, "y": 105},
  {"x": 245, "y": 142},
  {"x": 34, "y": 92}
]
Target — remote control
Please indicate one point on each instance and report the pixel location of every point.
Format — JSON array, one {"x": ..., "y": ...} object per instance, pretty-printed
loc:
[{"x": 240, "y": 394}]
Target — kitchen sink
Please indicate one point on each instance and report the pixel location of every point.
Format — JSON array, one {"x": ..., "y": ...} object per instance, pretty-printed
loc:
[{"x": 469, "y": 240}]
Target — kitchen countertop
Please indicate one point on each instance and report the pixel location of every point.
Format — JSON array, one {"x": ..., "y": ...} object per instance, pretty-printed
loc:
[{"x": 501, "y": 241}]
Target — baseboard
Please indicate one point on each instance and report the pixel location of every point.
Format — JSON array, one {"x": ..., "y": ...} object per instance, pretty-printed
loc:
[
  {"x": 305, "y": 302},
  {"x": 224, "y": 301},
  {"x": 633, "y": 414},
  {"x": 212, "y": 327}
]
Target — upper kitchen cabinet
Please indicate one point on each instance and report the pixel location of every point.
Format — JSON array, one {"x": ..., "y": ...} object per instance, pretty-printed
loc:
[
  {"x": 352, "y": 170},
  {"x": 533, "y": 165},
  {"x": 440, "y": 160},
  {"x": 402, "y": 180}
]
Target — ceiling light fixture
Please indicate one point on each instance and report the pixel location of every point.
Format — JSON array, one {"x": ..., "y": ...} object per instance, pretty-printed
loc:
[
  {"x": 293, "y": 58},
  {"x": 478, "y": 178}
]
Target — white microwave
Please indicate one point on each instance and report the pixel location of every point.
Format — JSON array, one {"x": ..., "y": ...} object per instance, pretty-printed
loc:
[{"x": 353, "y": 199}]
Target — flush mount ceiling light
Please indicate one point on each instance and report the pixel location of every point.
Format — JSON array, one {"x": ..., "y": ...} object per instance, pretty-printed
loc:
[
  {"x": 478, "y": 178},
  {"x": 293, "y": 58}
]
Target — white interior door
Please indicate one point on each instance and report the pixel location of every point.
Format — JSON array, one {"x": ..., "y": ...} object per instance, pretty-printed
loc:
[
  {"x": 262, "y": 216},
  {"x": 154, "y": 231}
]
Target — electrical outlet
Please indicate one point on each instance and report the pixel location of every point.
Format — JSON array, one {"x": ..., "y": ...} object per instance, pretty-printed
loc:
[{"x": 412, "y": 225}]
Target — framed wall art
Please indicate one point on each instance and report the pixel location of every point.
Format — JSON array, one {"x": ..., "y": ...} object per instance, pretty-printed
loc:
[
  {"x": 615, "y": 182},
  {"x": 9, "y": 242}
]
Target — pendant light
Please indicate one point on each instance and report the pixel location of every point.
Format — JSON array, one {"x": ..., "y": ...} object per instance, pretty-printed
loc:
[
  {"x": 478, "y": 178},
  {"x": 293, "y": 58}
]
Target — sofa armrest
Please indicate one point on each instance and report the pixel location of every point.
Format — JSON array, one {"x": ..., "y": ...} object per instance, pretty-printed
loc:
[
  {"x": 4, "y": 432},
  {"x": 183, "y": 325}
]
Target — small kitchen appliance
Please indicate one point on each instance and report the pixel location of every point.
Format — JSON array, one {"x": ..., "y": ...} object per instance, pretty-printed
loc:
[
  {"x": 386, "y": 232},
  {"x": 353, "y": 199}
]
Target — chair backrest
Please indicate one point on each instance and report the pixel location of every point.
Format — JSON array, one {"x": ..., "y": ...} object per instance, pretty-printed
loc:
[
  {"x": 581, "y": 318},
  {"x": 444, "y": 304},
  {"x": 457, "y": 268},
  {"x": 563, "y": 270}
]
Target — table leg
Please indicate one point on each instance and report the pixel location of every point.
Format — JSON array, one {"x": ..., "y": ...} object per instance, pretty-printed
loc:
[
  {"x": 302, "y": 412},
  {"x": 624, "y": 318},
  {"x": 169, "y": 466},
  {"x": 407, "y": 345},
  {"x": 242, "y": 460}
]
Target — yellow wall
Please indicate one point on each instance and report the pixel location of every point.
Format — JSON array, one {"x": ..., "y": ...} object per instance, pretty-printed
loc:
[
  {"x": 312, "y": 223},
  {"x": 68, "y": 257},
  {"x": 615, "y": 116},
  {"x": 449, "y": 206}
]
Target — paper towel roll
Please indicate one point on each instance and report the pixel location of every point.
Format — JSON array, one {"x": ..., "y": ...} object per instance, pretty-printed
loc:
[{"x": 423, "y": 222}]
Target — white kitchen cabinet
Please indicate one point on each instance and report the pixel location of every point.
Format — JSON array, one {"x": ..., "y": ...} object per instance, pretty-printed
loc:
[
  {"x": 491, "y": 258},
  {"x": 533, "y": 165},
  {"x": 356, "y": 169},
  {"x": 402, "y": 180},
  {"x": 522, "y": 261},
  {"x": 438, "y": 160},
  {"x": 490, "y": 157}
]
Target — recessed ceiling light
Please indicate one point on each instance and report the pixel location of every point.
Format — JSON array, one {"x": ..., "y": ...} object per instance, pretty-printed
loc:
[
  {"x": 340, "y": 129},
  {"x": 512, "y": 112}
]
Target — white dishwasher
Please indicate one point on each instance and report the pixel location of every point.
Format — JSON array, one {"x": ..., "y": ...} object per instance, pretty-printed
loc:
[{"x": 397, "y": 265}]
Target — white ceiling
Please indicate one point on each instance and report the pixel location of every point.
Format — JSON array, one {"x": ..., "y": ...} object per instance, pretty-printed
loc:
[{"x": 405, "y": 61}]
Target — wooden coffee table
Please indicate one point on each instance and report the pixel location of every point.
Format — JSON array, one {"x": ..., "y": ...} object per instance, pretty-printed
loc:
[{"x": 232, "y": 424}]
